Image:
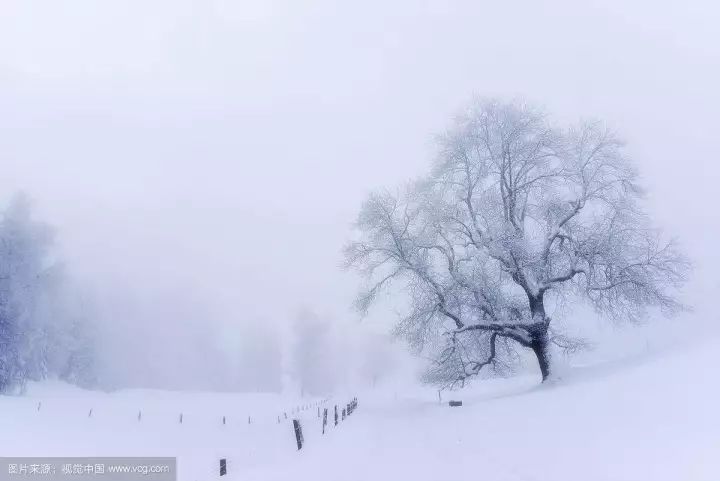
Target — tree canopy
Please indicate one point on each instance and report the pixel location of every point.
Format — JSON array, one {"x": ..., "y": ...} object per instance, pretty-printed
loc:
[{"x": 515, "y": 212}]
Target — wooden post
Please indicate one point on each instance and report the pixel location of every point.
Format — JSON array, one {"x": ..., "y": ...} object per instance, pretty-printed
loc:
[
  {"x": 223, "y": 467},
  {"x": 298, "y": 434},
  {"x": 223, "y": 420},
  {"x": 336, "y": 415},
  {"x": 324, "y": 419},
  {"x": 181, "y": 418}
]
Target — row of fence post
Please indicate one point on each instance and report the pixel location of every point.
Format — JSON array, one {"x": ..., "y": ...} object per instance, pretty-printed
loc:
[
  {"x": 224, "y": 418},
  {"x": 297, "y": 427},
  {"x": 346, "y": 411}
]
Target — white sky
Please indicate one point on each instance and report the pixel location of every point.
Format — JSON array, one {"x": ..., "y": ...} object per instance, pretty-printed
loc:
[{"x": 217, "y": 151}]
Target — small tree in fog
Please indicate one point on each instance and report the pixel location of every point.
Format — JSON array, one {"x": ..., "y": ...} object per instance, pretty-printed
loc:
[
  {"x": 312, "y": 360},
  {"x": 377, "y": 360},
  {"x": 260, "y": 358},
  {"x": 516, "y": 213},
  {"x": 76, "y": 359}
]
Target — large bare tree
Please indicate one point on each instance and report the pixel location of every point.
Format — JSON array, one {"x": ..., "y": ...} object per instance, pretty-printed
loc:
[{"x": 515, "y": 213}]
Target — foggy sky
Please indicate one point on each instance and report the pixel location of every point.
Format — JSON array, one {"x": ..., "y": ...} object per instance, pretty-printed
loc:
[{"x": 204, "y": 160}]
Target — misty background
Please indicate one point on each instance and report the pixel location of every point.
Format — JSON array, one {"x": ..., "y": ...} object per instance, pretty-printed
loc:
[{"x": 202, "y": 162}]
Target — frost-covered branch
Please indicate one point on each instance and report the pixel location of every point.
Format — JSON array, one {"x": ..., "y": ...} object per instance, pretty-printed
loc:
[{"x": 514, "y": 208}]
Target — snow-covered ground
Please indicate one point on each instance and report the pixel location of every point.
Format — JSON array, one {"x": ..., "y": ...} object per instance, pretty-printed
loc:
[
  {"x": 54, "y": 419},
  {"x": 647, "y": 419}
]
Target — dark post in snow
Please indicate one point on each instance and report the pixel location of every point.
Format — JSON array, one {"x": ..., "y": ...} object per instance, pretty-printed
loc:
[
  {"x": 180, "y": 418},
  {"x": 298, "y": 434},
  {"x": 223, "y": 420},
  {"x": 324, "y": 419},
  {"x": 352, "y": 406},
  {"x": 343, "y": 414},
  {"x": 90, "y": 413},
  {"x": 455, "y": 404},
  {"x": 336, "y": 415},
  {"x": 223, "y": 467}
]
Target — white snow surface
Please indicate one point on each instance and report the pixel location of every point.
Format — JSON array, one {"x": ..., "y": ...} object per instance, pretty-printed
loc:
[{"x": 636, "y": 419}]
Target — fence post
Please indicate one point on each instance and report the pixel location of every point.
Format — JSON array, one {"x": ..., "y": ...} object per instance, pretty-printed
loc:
[
  {"x": 324, "y": 419},
  {"x": 336, "y": 415},
  {"x": 223, "y": 467},
  {"x": 298, "y": 434}
]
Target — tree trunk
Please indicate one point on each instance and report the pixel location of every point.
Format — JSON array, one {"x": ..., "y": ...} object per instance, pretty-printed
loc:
[
  {"x": 539, "y": 345},
  {"x": 539, "y": 335}
]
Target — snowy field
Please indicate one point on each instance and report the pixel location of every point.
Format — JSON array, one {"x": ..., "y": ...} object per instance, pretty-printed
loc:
[
  {"x": 650, "y": 419},
  {"x": 54, "y": 419}
]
